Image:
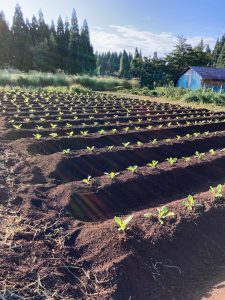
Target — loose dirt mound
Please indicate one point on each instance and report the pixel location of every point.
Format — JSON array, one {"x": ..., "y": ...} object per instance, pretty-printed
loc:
[{"x": 58, "y": 239}]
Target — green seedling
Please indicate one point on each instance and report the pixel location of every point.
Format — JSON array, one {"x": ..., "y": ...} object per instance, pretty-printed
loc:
[
  {"x": 109, "y": 147},
  {"x": 178, "y": 137},
  {"x": 114, "y": 130},
  {"x": 18, "y": 126},
  {"x": 139, "y": 143},
  {"x": 136, "y": 128},
  {"x": 122, "y": 223},
  {"x": 68, "y": 125},
  {"x": 90, "y": 149},
  {"x": 172, "y": 160},
  {"x": 217, "y": 191},
  {"x": 53, "y": 126},
  {"x": 37, "y": 136},
  {"x": 53, "y": 134},
  {"x": 126, "y": 129},
  {"x": 186, "y": 158},
  {"x": 199, "y": 155},
  {"x": 162, "y": 214},
  {"x": 84, "y": 133},
  {"x": 66, "y": 151},
  {"x": 126, "y": 144},
  {"x": 212, "y": 151},
  {"x": 87, "y": 180},
  {"x": 149, "y": 127},
  {"x": 102, "y": 131},
  {"x": 153, "y": 164},
  {"x": 154, "y": 142},
  {"x": 70, "y": 134},
  {"x": 190, "y": 203},
  {"x": 196, "y": 134},
  {"x": 132, "y": 169},
  {"x": 39, "y": 127},
  {"x": 111, "y": 175}
]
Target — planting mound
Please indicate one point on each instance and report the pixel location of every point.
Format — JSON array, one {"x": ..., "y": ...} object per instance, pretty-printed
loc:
[{"x": 70, "y": 163}]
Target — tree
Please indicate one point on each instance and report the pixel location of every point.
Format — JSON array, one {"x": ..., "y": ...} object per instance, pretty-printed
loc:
[
  {"x": 87, "y": 60},
  {"x": 4, "y": 41},
  {"x": 19, "y": 38},
  {"x": 74, "y": 39},
  {"x": 124, "y": 65},
  {"x": 61, "y": 43}
]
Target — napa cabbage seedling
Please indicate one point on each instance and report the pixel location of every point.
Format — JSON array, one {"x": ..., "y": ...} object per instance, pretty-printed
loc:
[
  {"x": 149, "y": 127},
  {"x": 126, "y": 129},
  {"x": 190, "y": 203},
  {"x": 114, "y": 130},
  {"x": 122, "y": 224},
  {"x": 111, "y": 175},
  {"x": 212, "y": 151},
  {"x": 68, "y": 125},
  {"x": 84, "y": 133},
  {"x": 102, "y": 131},
  {"x": 199, "y": 155},
  {"x": 37, "y": 136},
  {"x": 178, "y": 137},
  {"x": 18, "y": 126},
  {"x": 53, "y": 134},
  {"x": 136, "y": 128},
  {"x": 196, "y": 134},
  {"x": 90, "y": 149},
  {"x": 139, "y": 143},
  {"x": 172, "y": 160},
  {"x": 70, "y": 134},
  {"x": 38, "y": 127},
  {"x": 132, "y": 169},
  {"x": 126, "y": 144},
  {"x": 217, "y": 191},
  {"x": 186, "y": 158},
  {"x": 154, "y": 142},
  {"x": 87, "y": 180},
  {"x": 162, "y": 214},
  {"x": 53, "y": 126},
  {"x": 153, "y": 164},
  {"x": 66, "y": 151},
  {"x": 109, "y": 147}
]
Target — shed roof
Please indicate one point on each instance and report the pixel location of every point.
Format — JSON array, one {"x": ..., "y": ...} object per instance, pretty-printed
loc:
[{"x": 210, "y": 73}]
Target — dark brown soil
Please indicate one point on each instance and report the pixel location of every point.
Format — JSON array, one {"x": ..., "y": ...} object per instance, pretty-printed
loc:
[{"x": 58, "y": 239}]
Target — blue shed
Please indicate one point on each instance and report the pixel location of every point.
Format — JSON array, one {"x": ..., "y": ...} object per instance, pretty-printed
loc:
[{"x": 200, "y": 77}]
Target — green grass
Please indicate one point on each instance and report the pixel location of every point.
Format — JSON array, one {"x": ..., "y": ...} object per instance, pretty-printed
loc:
[{"x": 77, "y": 83}]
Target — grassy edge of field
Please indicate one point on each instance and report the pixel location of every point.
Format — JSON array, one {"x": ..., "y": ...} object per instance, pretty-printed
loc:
[{"x": 162, "y": 99}]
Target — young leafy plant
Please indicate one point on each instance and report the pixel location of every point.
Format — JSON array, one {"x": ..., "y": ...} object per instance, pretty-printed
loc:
[
  {"x": 37, "y": 136},
  {"x": 90, "y": 149},
  {"x": 111, "y": 175},
  {"x": 217, "y": 191},
  {"x": 162, "y": 214},
  {"x": 190, "y": 203},
  {"x": 18, "y": 126},
  {"x": 126, "y": 144},
  {"x": 199, "y": 155},
  {"x": 66, "y": 151},
  {"x": 172, "y": 160},
  {"x": 87, "y": 180},
  {"x": 132, "y": 169},
  {"x": 122, "y": 224},
  {"x": 153, "y": 164}
]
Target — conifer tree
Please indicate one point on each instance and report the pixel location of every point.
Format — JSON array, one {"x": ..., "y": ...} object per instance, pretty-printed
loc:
[{"x": 73, "y": 46}]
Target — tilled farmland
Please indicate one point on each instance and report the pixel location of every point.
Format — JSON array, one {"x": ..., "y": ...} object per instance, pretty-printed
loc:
[{"x": 70, "y": 163}]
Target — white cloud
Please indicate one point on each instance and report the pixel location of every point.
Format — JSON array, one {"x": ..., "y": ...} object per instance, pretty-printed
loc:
[{"x": 117, "y": 38}]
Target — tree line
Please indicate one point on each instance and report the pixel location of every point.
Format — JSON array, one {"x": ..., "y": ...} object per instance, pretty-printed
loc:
[
  {"x": 37, "y": 46},
  {"x": 155, "y": 71}
]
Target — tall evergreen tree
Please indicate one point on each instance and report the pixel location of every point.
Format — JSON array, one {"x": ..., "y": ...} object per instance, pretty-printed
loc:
[
  {"x": 74, "y": 40},
  {"x": 19, "y": 39},
  {"x": 124, "y": 65},
  {"x": 87, "y": 61},
  {"x": 4, "y": 41},
  {"x": 60, "y": 41}
]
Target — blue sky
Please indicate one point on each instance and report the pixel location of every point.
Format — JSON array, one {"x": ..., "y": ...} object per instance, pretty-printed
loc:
[{"x": 151, "y": 25}]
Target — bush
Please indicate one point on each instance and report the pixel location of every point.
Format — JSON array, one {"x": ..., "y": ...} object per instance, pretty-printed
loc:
[
  {"x": 77, "y": 88},
  {"x": 103, "y": 83}
]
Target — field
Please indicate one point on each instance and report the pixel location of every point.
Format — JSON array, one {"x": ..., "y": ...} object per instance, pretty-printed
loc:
[{"x": 72, "y": 162}]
